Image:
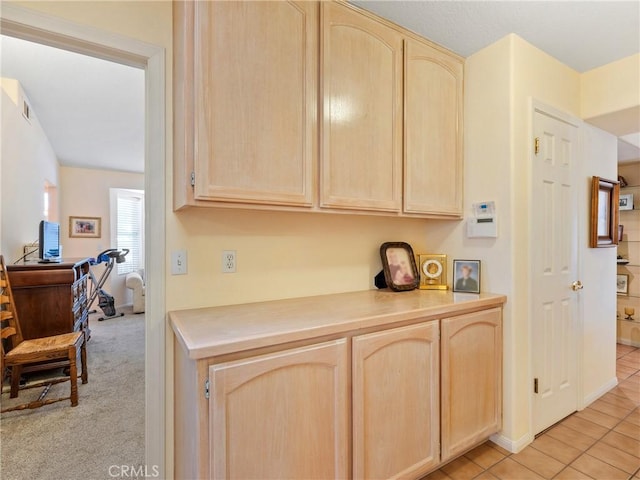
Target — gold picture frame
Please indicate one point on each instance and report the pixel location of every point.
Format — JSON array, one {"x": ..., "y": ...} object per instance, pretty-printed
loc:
[
  {"x": 605, "y": 195},
  {"x": 84, "y": 227},
  {"x": 433, "y": 271}
]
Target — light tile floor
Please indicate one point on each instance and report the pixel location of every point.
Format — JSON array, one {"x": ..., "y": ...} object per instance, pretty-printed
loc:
[{"x": 601, "y": 442}]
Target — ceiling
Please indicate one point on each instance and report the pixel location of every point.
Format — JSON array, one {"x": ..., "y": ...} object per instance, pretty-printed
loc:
[{"x": 93, "y": 110}]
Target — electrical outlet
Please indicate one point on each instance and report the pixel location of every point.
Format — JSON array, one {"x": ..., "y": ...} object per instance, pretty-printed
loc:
[
  {"x": 179, "y": 262},
  {"x": 228, "y": 261}
]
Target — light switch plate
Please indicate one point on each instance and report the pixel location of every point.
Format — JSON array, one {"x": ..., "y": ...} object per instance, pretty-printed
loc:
[{"x": 179, "y": 262}]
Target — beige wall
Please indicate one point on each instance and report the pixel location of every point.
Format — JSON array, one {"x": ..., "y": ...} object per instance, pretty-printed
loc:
[
  {"x": 85, "y": 193},
  {"x": 611, "y": 88},
  {"x": 281, "y": 255},
  {"x": 28, "y": 162},
  {"x": 631, "y": 172},
  {"x": 145, "y": 20}
]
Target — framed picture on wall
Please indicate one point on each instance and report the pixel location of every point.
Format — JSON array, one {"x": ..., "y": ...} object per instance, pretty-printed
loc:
[
  {"x": 622, "y": 284},
  {"x": 626, "y": 201},
  {"x": 84, "y": 227},
  {"x": 605, "y": 195}
]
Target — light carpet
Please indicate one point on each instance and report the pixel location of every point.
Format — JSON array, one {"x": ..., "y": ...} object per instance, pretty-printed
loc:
[{"x": 100, "y": 438}]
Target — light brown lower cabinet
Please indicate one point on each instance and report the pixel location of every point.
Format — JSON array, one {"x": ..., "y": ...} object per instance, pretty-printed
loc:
[
  {"x": 396, "y": 402},
  {"x": 471, "y": 380},
  {"x": 281, "y": 415}
]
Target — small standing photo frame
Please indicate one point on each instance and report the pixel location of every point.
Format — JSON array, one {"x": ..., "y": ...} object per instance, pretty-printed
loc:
[
  {"x": 399, "y": 266},
  {"x": 433, "y": 271},
  {"x": 466, "y": 276}
]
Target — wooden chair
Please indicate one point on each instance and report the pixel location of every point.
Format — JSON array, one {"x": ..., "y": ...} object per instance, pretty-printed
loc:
[{"x": 17, "y": 352}]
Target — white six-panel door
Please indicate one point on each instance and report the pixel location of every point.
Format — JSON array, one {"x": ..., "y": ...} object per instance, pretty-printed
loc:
[{"x": 554, "y": 247}]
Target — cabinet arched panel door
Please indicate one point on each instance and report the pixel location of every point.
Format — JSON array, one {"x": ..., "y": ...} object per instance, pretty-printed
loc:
[
  {"x": 255, "y": 101},
  {"x": 396, "y": 402},
  {"x": 471, "y": 380},
  {"x": 361, "y": 164},
  {"x": 281, "y": 415},
  {"x": 433, "y": 131}
]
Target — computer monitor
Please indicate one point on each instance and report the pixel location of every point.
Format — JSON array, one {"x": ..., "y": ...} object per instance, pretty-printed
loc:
[{"x": 49, "y": 241}]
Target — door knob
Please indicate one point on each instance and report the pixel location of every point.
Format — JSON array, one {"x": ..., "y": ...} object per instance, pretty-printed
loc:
[{"x": 577, "y": 285}]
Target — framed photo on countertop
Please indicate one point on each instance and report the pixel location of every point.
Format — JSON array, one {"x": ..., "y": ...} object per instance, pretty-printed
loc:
[
  {"x": 399, "y": 266},
  {"x": 466, "y": 276}
]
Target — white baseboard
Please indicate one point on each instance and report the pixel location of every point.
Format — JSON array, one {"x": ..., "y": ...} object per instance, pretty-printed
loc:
[
  {"x": 513, "y": 446},
  {"x": 592, "y": 397},
  {"x": 631, "y": 343}
]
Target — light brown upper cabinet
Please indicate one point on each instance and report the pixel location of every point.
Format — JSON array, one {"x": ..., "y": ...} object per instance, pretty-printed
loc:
[
  {"x": 432, "y": 130},
  {"x": 314, "y": 106},
  {"x": 361, "y": 160},
  {"x": 246, "y": 101}
]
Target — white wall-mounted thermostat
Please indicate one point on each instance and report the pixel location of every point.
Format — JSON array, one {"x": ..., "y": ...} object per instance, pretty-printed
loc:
[{"x": 484, "y": 223}]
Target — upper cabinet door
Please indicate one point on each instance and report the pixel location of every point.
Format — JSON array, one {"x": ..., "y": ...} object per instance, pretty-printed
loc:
[
  {"x": 433, "y": 131},
  {"x": 361, "y": 159},
  {"x": 255, "y": 101}
]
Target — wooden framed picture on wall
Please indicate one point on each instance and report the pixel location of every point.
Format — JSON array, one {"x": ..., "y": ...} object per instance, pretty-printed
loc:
[
  {"x": 605, "y": 196},
  {"x": 84, "y": 227}
]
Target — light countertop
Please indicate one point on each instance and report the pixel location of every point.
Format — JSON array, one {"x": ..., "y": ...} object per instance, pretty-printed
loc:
[{"x": 213, "y": 331}]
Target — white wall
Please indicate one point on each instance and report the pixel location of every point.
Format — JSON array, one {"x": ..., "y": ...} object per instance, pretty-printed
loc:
[
  {"x": 598, "y": 273},
  {"x": 28, "y": 162}
]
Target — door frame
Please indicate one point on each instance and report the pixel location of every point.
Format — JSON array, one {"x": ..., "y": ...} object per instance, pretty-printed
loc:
[
  {"x": 42, "y": 28},
  {"x": 537, "y": 106}
]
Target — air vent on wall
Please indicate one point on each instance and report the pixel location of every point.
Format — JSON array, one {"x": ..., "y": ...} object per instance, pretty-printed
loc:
[{"x": 26, "y": 110}]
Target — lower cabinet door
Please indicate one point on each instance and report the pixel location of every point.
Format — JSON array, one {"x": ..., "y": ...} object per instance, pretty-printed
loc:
[
  {"x": 396, "y": 402},
  {"x": 281, "y": 415},
  {"x": 471, "y": 380}
]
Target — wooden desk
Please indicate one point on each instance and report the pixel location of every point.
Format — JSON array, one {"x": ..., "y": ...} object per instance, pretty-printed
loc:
[{"x": 51, "y": 298}]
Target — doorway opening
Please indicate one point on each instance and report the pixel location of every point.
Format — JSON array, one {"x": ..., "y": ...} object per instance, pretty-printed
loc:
[{"x": 23, "y": 23}]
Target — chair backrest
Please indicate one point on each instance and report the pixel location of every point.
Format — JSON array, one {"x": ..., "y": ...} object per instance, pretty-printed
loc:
[{"x": 10, "y": 332}]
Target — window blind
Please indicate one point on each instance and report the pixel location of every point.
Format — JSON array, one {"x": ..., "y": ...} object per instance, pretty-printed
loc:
[{"x": 130, "y": 229}]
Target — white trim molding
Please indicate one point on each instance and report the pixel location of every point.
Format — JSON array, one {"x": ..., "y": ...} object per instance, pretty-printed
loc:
[
  {"x": 592, "y": 397},
  {"x": 513, "y": 446}
]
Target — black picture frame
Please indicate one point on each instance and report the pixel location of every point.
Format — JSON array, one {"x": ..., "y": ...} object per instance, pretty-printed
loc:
[
  {"x": 399, "y": 266},
  {"x": 466, "y": 276}
]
